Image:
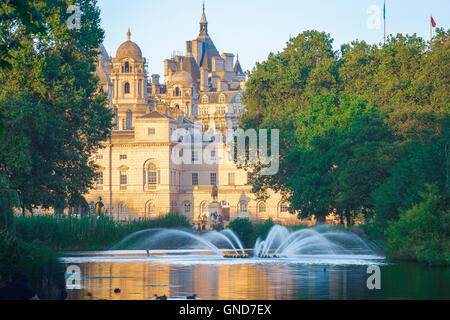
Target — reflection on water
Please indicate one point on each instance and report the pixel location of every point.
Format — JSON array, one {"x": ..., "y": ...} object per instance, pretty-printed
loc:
[{"x": 143, "y": 279}]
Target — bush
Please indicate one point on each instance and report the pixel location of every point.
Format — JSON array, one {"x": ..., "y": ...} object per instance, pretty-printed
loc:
[
  {"x": 422, "y": 233},
  {"x": 244, "y": 230},
  {"x": 42, "y": 266},
  {"x": 263, "y": 229}
]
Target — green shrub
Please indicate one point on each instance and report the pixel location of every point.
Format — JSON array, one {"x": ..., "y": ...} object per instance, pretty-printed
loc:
[
  {"x": 41, "y": 265},
  {"x": 244, "y": 230},
  {"x": 262, "y": 230},
  {"x": 422, "y": 233}
]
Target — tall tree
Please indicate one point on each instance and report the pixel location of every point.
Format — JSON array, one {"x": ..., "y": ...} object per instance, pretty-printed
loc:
[{"x": 56, "y": 115}]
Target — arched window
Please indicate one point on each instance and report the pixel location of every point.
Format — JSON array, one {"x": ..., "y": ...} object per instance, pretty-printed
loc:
[
  {"x": 127, "y": 67},
  {"x": 129, "y": 120},
  {"x": 152, "y": 174},
  {"x": 261, "y": 207},
  {"x": 151, "y": 209},
  {"x": 187, "y": 207},
  {"x": 127, "y": 87},
  {"x": 243, "y": 207},
  {"x": 204, "y": 208},
  {"x": 177, "y": 92}
]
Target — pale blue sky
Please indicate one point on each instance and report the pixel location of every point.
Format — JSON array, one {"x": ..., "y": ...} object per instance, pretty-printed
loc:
[{"x": 254, "y": 28}]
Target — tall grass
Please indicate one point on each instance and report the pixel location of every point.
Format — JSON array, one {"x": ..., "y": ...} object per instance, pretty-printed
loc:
[{"x": 86, "y": 233}]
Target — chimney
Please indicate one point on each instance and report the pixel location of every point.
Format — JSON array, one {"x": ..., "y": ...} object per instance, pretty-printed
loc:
[
  {"x": 219, "y": 84},
  {"x": 188, "y": 48},
  {"x": 203, "y": 79}
]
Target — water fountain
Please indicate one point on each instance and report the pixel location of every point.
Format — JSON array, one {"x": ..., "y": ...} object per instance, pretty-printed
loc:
[{"x": 319, "y": 243}]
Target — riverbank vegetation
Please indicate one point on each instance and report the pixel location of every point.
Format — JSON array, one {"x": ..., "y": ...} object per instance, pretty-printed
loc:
[
  {"x": 64, "y": 233},
  {"x": 364, "y": 131}
]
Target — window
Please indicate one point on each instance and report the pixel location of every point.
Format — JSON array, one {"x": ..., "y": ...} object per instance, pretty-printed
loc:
[
  {"x": 284, "y": 208},
  {"x": 100, "y": 178},
  {"x": 151, "y": 209},
  {"x": 151, "y": 131},
  {"x": 222, "y": 99},
  {"x": 152, "y": 174},
  {"x": 205, "y": 99},
  {"x": 205, "y": 127},
  {"x": 116, "y": 118},
  {"x": 122, "y": 208},
  {"x": 261, "y": 207},
  {"x": 99, "y": 157},
  {"x": 177, "y": 92},
  {"x": 213, "y": 155},
  {"x": 231, "y": 178},
  {"x": 194, "y": 156},
  {"x": 187, "y": 207},
  {"x": 123, "y": 178},
  {"x": 129, "y": 120},
  {"x": 127, "y": 87},
  {"x": 127, "y": 67},
  {"x": 123, "y": 157},
  {"x": 243, "y": 207},
  {"x": 213, "y": 178},
  {"x": 195, "y": 179}
]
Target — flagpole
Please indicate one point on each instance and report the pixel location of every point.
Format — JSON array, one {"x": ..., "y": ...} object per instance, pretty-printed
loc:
[{"x": 431, "y": 29}]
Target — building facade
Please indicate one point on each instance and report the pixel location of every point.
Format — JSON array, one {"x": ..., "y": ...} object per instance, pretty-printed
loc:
[{"x": 166, "y": 152}]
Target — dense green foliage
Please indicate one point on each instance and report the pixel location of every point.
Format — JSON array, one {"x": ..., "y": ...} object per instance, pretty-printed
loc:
[
  {"x": 362, "y": 130},
  {"x": 37, "y": 261},
  {"x": 54, "y": 115},
  {"x": 244, "y": 230},
  {"x": 422, "y": 232},
  {"x": 86, "y": 233}
]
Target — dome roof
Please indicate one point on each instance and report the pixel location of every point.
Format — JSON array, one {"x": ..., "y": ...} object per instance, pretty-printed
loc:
[
  {"x": 129, "y": 49},
  {"x": 182, "y": 77}
]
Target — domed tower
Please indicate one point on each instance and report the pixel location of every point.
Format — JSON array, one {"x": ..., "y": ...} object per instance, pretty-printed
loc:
[
  {"x": 181, "y": 92},
  {"x": 129, "y": 84}
]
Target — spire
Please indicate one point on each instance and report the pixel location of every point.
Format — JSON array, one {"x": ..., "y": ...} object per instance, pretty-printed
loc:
[
  {"x": 203, "y": 21},
  {"x": 129, "y": 35}
]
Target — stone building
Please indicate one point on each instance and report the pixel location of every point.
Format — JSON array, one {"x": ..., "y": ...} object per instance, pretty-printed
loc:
[{"x": 139, "y": 175}]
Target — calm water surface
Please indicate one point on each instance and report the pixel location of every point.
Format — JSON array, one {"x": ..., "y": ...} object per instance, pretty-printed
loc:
[{"x": 140, "y": 277}]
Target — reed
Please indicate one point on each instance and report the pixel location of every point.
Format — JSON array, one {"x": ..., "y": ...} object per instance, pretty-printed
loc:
[{"x": 85, "y": 233}]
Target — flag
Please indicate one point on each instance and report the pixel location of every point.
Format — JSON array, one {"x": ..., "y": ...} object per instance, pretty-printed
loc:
[
  {"x": 433, "y": 23},
  {"x": 384, "y": 11}
]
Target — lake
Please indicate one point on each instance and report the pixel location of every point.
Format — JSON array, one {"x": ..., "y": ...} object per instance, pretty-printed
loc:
[{"x": 184, "y": 272}]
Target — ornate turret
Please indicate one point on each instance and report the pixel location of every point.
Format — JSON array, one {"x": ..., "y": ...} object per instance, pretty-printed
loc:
[{"x": 203, "y": 22}]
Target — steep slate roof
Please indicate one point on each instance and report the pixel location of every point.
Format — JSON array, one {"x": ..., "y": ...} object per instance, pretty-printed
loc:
[{"x": 213, "y": 97}]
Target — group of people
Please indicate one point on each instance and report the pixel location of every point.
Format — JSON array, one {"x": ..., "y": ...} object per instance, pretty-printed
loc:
[{"x": 203, "y": 223}]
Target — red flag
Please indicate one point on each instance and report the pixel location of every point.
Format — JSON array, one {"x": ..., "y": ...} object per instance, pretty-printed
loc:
[{"x": 433, "y": 23}]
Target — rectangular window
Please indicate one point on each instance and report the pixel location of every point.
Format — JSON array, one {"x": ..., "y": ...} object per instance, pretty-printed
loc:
[
  {"x": 231, "y": 178},
  {"x": 99, "y": 157},
  {"x": 194, "y": 156},
  {"x": 123, "y": 157},
  {"x": 195, "y": 179},
  {"x": 213, "y": 178},
  {"x": 151, "y": 131},
  {"x": 213, "y": 155},
  {"x": 123, "y": 178},
  {"x": 152, "y": 177},
  {"x": 99, "y": 178}
]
